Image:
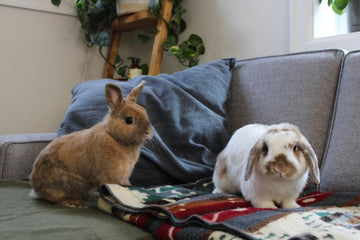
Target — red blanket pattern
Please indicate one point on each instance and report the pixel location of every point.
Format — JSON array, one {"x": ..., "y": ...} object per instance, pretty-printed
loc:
[{"x": 193, "y": 212}]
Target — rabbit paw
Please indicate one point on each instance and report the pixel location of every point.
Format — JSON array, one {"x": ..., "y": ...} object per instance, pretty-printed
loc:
[
  {"x": 218, "y": 190},
  {"x": 75, "y": 203},
  {"x": 290, "y": 204},
  {"x": 93, "y": 195},
  {"x": 264, "y": 204},
  {"x": 125, "y": 182}
]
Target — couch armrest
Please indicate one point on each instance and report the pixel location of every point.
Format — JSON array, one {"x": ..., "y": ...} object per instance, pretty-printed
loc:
[{"x": 18, "y": 152}]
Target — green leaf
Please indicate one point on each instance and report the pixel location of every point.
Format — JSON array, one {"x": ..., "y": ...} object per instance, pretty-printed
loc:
[
  {"x": 195, "y": 40},
  {"x": 143, "y": 38},
  {"x": 182, "y": 26},
  {"x": 181, "y": 9},
  {"x": 176, "y": 18},
  {"x": 339, "y": 6},
  {"x": 193, "y": 62},
  {"x": 82, "y": 16},
  {"x": 118, "y": 60},
  {"x": 188, "y": 53},
  {"x": 174, "y": 50},
  {"x": 80, "y": 4},
  {"x": 98, "y": 14},
  {"x": 122, "y": 70},
  {"x": 176, "y": 29},
  {"x": 87, "y": 37},
  {"x": 100, "y": 39},
  {"x": 169, "y": 42},
  {"x": 338, "y": 11},
  {"x": 330, "y": 2},
  {"x": 56, "y": 2},
  {"x": 201, "y": 49}
]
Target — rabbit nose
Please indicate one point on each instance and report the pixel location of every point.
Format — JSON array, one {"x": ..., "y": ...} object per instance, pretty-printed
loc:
[
  {"x": 281, "y": 166},
  {"x": 149, "y": 132}
]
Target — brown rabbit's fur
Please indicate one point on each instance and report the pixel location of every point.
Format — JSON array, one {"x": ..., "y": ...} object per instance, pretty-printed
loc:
[{"x": 70, "y": 166}]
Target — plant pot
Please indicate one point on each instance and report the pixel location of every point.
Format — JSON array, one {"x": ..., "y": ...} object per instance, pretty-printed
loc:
[
  {"x": 124, "y": 7},
  {"x": 354, "y": 15}
]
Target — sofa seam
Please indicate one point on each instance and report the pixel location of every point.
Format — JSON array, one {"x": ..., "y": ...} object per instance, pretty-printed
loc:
[
  {"x": 3, "y": 154},
  {"x": 292, "y": 54},
  {"x": 334, "y": 112}
]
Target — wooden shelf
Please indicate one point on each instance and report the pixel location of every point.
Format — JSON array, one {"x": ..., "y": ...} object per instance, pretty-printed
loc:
[
  {"x": 134, "y": 21},
  {"x": 139, "y": 20}
]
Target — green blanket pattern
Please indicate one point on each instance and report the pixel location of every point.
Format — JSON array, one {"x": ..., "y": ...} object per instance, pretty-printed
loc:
[{"x": 193, "y": 212}]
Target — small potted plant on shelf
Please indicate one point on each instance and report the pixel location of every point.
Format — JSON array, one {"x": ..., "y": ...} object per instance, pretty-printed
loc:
[{"x": 96, "y": 17}]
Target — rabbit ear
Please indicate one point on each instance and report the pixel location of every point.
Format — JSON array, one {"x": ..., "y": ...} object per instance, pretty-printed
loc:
[
  {"x": 135, "y": 92},
  {"x": 311, "y": 160},
  {"x": 113, "y": 95},
  {"x": 253, "y": 159}
]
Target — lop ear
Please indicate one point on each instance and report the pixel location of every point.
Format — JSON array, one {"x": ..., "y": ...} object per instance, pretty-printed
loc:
[
  {"x": 311, "y": 160},
  {"x": 253, "y": 158},
  {"x": 135, "y": 92},
  {"x": 113, "y": 96}
]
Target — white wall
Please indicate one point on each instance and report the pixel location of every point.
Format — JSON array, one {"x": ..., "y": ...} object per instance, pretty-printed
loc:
[
  {"x": 43, "y": 55},
  {"x": 239, "y": 28},
  {"x": 229, "y": 28}
]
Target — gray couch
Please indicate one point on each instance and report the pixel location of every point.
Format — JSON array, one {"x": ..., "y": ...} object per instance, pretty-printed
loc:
[{"x": 318, "y": 91}]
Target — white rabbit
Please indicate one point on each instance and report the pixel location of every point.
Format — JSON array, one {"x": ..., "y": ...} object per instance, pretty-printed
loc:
[{"x": 269, "y": 165}]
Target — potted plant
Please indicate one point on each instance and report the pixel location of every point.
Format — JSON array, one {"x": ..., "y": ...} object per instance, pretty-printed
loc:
[
  {"x": 353, "y": 7},
  {"x": 338, "y": 6},
  {"x": 96, "y": 17}
]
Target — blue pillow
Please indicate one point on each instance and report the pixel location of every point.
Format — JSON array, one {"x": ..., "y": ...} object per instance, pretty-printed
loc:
[{"x": 187, "y": 111}]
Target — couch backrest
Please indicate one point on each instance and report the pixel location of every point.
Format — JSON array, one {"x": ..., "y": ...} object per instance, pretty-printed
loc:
[
  {"x": 341, "y": 166},
  {"x": 297, "y": 88},
  {"x": 18, "y": 152}
]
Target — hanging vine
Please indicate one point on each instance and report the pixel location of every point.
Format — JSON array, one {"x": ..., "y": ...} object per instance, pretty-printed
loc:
[{"x": 96, "y": 16}]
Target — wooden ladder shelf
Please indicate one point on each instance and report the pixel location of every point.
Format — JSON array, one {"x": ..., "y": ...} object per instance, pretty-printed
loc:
[{"x": 135, "y": 21}]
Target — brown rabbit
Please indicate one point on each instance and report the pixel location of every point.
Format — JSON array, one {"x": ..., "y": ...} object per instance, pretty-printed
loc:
[{"x": 70, "y": 166}]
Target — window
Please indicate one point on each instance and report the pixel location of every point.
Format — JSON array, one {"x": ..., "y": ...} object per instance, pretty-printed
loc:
[
  {"x": 306, "y": 34},
  {"x": 326, "y": 22}
]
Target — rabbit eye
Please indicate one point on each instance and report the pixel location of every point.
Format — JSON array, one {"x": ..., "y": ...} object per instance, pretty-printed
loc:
[
  {"x": 129, "y": 120},
  {"x": 265, "y": 148},
  {"x": 295, "y": 148}
]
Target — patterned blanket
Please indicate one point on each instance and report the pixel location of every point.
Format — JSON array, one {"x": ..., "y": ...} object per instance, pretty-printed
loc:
[{"x": 192, "y": 212}]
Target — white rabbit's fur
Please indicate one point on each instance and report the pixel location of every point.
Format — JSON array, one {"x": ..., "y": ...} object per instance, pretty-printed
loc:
[{"x": 269, "y": 165}]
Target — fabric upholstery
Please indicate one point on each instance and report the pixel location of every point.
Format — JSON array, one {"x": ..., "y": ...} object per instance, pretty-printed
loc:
[
  {"x": 24, "y": 218},
  {"x": 295, "y": 88},
  {"x": 18, "y": 153},
  {"x": 341, "y": 169}
]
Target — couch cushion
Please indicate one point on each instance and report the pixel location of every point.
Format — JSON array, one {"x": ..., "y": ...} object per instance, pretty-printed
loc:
[
  {"x": 340, "y": 171},
  {"x": 186, "y": 110},
  {"x": 24, "y": 218},
  {"x": 296, "y": 88},
  {"x": 16, "y": 150}
]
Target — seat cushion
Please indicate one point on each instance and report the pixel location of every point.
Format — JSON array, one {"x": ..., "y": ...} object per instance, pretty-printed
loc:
[{"x": 25, "y": 218}]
